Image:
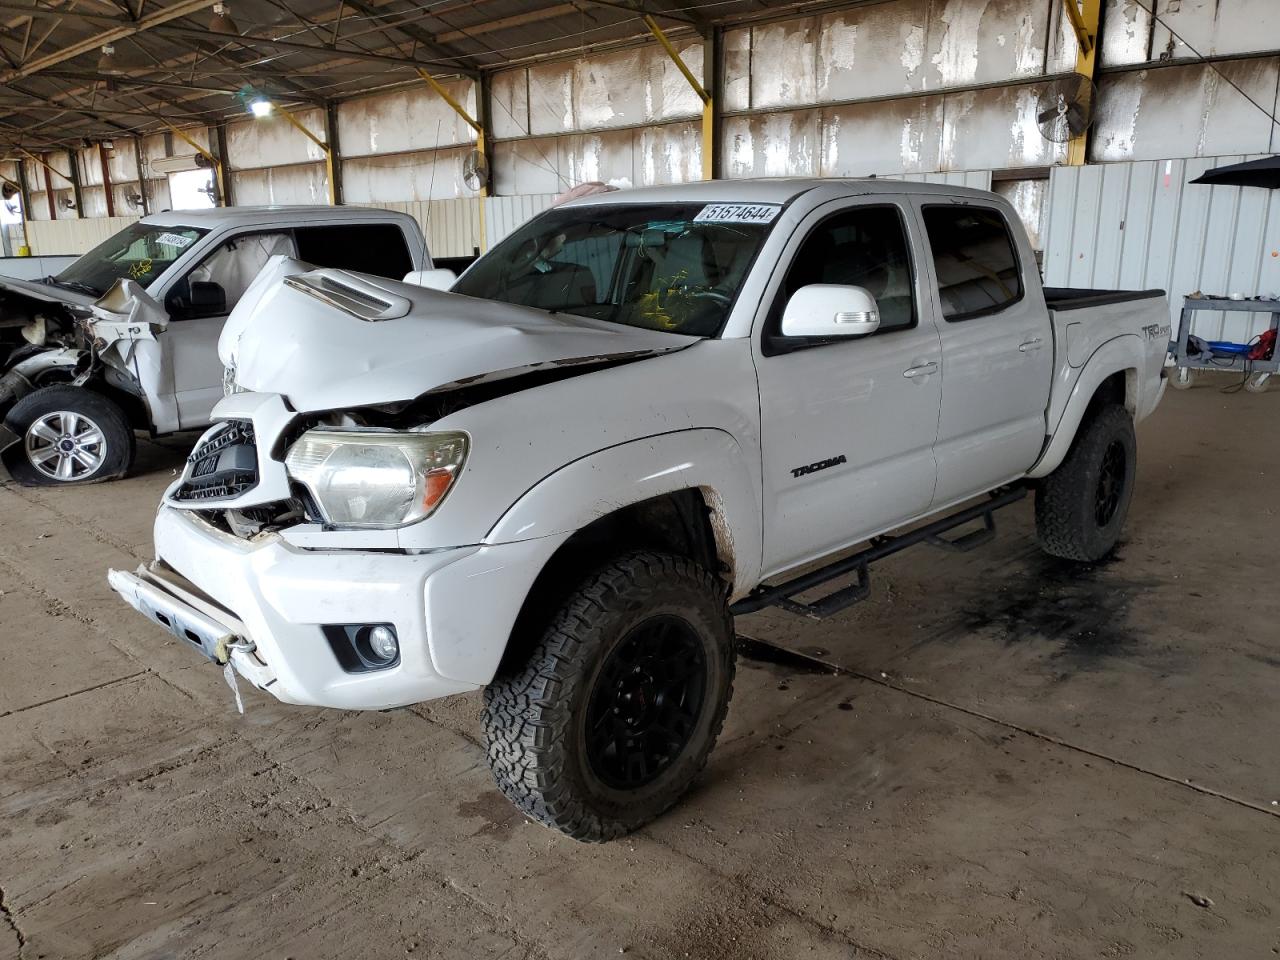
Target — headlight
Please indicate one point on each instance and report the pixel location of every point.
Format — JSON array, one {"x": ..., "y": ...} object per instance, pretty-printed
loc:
[{"x": 375, "y": 479}]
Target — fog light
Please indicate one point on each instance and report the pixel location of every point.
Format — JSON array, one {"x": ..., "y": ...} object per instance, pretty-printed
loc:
[{"x": 382, "y": 641}]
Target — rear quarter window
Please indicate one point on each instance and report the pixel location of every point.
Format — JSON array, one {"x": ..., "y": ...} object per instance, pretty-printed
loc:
[
  {"x": 375, "y": 248},
  {"x": 974, "y": 259}
]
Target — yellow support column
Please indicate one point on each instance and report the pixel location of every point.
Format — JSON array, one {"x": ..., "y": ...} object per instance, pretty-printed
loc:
[
  {"x": 708, "y": 104},
  {"x": 1085, "y": 17},
  {"x": 482, "y": 147}
]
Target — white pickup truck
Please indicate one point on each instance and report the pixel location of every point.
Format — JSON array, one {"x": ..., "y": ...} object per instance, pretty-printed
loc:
[
  {"x": 125, "y": 337},
  {"x": 633, "y": 418}
]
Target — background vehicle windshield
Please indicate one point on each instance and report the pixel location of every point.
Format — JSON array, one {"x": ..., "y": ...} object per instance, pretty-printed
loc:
[
  {"x": 673, "y": 267},
  {"x": 139, "y": 252}
]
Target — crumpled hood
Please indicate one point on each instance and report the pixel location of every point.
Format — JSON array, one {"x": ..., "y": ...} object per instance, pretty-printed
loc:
[
  {"x": 282, "y": 339},
  {"x": 45, "y": 292}
]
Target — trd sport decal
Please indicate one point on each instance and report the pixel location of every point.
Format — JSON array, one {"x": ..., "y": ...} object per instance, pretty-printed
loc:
[{"x": 798, "y": 472}]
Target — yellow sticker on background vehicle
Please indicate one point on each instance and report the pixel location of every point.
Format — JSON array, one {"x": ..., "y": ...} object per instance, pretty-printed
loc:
[{"x": 139, "y": 269}]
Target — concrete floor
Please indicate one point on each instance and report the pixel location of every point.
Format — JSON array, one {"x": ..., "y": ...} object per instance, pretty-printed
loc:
[{"x": 1017, "y": 759}]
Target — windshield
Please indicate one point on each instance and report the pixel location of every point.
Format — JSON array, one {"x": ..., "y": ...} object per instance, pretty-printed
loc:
[
  {"x": 674, "y": 267},
  {"x": 139, "y": 252}
]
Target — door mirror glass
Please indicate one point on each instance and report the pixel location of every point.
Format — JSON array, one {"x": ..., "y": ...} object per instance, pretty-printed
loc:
[
  {"x": 208, "y": 299},
  {"x": 438, "y": 279},
  {"x": 830, "y": 310}
]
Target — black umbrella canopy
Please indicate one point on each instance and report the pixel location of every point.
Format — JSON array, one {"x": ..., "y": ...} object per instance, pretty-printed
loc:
[{"x": 1254, "y": 173}]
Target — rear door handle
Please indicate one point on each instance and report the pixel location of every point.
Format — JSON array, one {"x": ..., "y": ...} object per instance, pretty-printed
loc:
[
  {"x": 920, "y": 370},
  {"x": 1028, "y": 345}
]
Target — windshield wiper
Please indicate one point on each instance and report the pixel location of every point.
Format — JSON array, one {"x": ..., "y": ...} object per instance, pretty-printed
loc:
[{"x": 75, "y": 285}]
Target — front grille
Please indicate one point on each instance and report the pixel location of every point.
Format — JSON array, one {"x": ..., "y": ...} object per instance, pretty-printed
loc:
[{"x": 223, "y": 466}]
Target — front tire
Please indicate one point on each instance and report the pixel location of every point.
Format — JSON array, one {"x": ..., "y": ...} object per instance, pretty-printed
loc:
[
  {"x": 612, "y": 716},
  {"x": 68, "y": 435},
  {"x": 1081, "y": 506}
]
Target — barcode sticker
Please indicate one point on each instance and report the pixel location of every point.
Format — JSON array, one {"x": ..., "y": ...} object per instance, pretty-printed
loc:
[
  {"x": 738, "y": 213},
  {"x": 174, "y": 240}
]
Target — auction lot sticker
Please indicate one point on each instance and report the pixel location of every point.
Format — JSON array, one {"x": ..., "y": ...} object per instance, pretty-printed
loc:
[
  {"x": 738, "y": 213},
  {"x": 174, "y": 240}
]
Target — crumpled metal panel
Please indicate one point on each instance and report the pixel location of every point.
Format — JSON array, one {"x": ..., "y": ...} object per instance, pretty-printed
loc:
[
  {"x": 272, "y": 141},
  {"x": 1143, "y": 225},
  {"x": 299, "y": 183},
  {"x": 1185, "y": 111},
  {"x": 429, "y": 175},
  {"x": 411, "y": 118},
  {"x": 626, "y": 88}
]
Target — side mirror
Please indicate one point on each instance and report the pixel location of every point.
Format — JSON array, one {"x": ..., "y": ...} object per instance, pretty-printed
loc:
[
  {"x": 830, "y": 310},
  {"x": 208, "y": 299},
  {"x": 438, "y": 279}
]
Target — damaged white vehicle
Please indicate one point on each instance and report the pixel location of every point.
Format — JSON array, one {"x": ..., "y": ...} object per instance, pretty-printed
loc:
[
  {"x": 637, "y": 416},
  {"x": 125, "y": 338}
]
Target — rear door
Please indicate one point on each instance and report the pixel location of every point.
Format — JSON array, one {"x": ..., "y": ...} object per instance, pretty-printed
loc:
[
  {"x": 848, "y": 425},
  {"x": 997, "y": 347}
]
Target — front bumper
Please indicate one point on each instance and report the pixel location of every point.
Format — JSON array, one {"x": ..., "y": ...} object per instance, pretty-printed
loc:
[{"x": 453, "y": 609}]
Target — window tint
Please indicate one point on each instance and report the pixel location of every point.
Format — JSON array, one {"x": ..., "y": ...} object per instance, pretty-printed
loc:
[
  {"x": 232, "y": 266},
  {"x": 975, "y": 261},
  {"x": 864, "y": 247},
  {"x": 376, "y": 248}
]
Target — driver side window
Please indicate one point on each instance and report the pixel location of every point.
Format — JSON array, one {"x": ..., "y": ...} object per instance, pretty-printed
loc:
[
  {"x": 862, "y": 247},
  {"x": 216, "y": 284}
]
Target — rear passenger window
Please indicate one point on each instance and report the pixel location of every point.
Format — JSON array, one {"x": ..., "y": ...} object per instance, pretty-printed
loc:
[
  {"x": 974, "y": 258},
  {"x": 863, "y": 247},
  {"x": 376, "y": 248}
]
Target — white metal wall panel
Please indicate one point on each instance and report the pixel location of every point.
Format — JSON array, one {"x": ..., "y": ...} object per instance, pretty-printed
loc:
[
  {"x": 299, "y": 183},
  {"x": 453, "y": 227},
  {"x": 401, "y": 121},
  {"x": 504, "y": 214},
  {"x": 1141, "y": 225},
  {"x": 272, "y": 141},
  {"x": 52, "y": 238}
]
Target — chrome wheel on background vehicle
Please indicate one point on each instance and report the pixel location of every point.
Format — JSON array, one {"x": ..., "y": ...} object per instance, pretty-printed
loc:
[{"x": 65, "y": 446}]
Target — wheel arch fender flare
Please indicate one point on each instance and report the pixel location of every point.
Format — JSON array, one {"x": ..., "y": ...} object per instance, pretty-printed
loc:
[
  {"x": 1123, "y": 354},
  {"x": 709, "y": 460}
]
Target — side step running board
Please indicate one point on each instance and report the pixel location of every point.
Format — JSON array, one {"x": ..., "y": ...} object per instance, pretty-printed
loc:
[{"x": 782, "y": 595}]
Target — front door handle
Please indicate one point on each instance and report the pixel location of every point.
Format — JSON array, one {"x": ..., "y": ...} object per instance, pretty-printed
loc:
[
  {"x": 1027, "y": 346},
  {"x": 920, "y": 370}
]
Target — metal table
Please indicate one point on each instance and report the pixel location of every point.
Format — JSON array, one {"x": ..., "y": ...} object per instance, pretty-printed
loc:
[{"x": 1258, "y": 372}]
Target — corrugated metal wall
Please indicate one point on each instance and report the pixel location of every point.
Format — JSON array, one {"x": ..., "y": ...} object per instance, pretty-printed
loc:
[
  {"x": 53, "y": 237},
  {"x": 1141, "y": 225}
]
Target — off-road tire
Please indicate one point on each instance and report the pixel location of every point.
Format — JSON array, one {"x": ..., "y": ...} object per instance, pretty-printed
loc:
[
  {"x": 535, "y": 714},
  {"x": 102, "y": 412},
  {"x": 1068, "y": 514}
]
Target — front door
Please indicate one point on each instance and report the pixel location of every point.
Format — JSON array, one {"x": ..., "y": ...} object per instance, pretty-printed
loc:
[
  {"x": 198, "y": 306},
  {"x": 848, "y": 425}
]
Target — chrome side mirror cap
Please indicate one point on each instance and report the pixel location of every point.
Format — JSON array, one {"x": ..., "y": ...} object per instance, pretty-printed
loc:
[{"x": 830, "y": 310}]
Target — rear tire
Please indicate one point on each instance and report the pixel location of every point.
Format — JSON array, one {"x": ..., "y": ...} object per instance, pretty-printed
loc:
[
  {"x": 1081, "y": 506},
  {"x": 68, "y": 435},
  {"x": 612, "y": 716}
]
